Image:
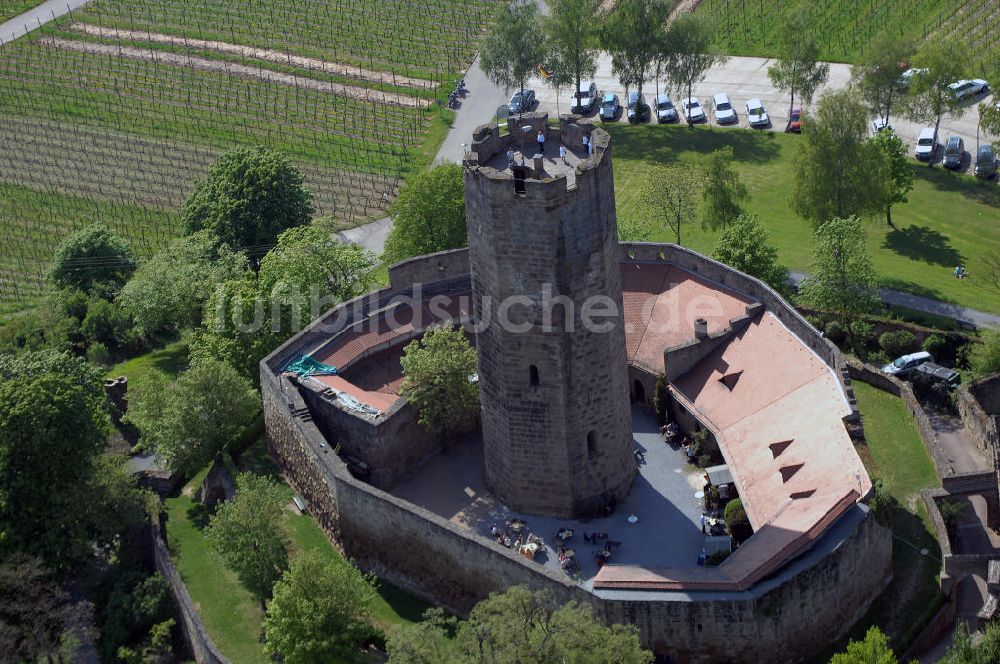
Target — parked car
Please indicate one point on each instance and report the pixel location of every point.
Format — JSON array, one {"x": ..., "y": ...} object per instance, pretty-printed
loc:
[
  {"x": 756, "y": 115},
  {"x": 878, "y": 124},
  {"x": 938, "y": 374},
  {"x": 610, "y": 107},
  {"x": 724, "y": 112},
  {"x": 636, "y": 108},
  {"x": 665, "y": 111},
  {"x": 966, "y": 88},
  {"x": 795, "y": 120},
  {"x": 588, "y": 97},
  {"x": 521, "y": 102},
  {"x": 910, "y": 73},
  {"x": 926, "y": 143},
  {"x": 903, "y": 366},
  {"x": 986, "y": 162},
  {"x": 693, "y": 110},
  {"x": 954, "y": 152}
]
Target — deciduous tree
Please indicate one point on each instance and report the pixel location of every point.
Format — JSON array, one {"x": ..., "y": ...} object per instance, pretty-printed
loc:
[
  {"x": 745, "y": 245},
  {"x": 248, "y": 198},
  {"x": 93, "y": 260},
  {"x": 897, "y": 174},
  {"x": 519, "y": 626},
  {"x": 798, "y": 69},
  {"x": 572, "y": 33},
  {"x": 874, "y": 649},
  {"x": 843, "y": 277},
  {"x": 428, "y": 215},
  {"x": 190, "y": 420},
  {"x": 723, "y": 193},
  {"x": 438, "y": 372},
  {"x": 169, "y": 291},
  {"x": 985, "y": 356},
  {"x": 320, "y": 612},
  {"x": 515, "y": 45},
  {"x": 691, "y": 54},
  {"x": 838, "y": 172},
  {"x": 628, "y": 33},
  {"x": 671, "y": 194},
  {"x": 930, "y": 99},
  {"x": 247, "y": 533},
  {"x": 878, "y": 76}
]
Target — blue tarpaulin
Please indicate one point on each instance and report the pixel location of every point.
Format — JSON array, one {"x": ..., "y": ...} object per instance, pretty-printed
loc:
[{"x": 307, "y": 366}]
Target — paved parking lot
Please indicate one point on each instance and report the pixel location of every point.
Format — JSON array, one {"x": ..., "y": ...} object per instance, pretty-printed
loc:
[{"x": 746, "y": 78}]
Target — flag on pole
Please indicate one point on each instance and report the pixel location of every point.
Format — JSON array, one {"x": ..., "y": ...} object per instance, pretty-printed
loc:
[{"x": 544, "y": 73}]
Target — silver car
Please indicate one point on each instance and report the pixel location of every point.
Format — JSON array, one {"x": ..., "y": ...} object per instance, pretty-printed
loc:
[
  {"x": 965, "y": 88},
  {"x": 665, "y": 111},
  {"x": 693, "y": 110}
]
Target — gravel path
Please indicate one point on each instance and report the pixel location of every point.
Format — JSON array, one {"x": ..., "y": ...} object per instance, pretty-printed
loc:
[
  {"x": 36, "y": 17},
  {"x": 244, "y": 71},
  {"x": 266, "y": 54}
]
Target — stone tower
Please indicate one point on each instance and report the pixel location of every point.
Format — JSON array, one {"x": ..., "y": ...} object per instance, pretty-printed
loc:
[{"x": 543, "y": 250}]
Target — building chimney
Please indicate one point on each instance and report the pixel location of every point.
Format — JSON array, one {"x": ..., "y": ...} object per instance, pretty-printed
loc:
[{"x": 700, "y": 328}]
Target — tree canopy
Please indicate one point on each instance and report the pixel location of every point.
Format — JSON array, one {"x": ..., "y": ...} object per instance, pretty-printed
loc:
[
  {"x": 798, "y": 69},
  {"x": 320, "y": 612},
  {"x": 93, "y": 260},
  {"x": 428, "y": 215},
  {"x": 897, "y": 174},
  {"x": 35, "y": 612},
  {"x": 169, "y": 291},
  {"x": 246, "y": 531},
  {"x": 966, "y": 651},
  {"x": 877, "y": 77},
  {"x": 838, "y": 171},
  {"x": 628, "y": 32},
  {"x": 929, "y": 98},
  {"x": 518, "y": 625},
  {"x": 186, "y": 422},
  {"x": 438, "y": 370},
  {"x": 690, "y": 53},
  {"x": 572, "y": 35},
  {"x": 515, "y": 45},
  {"x": 671, "y": 194},
  {"x": 744, "y": 245},
  {"x": 874, "y": 649},
  {"x": 843, "y": 277},
  {"x": 723, "y": 194},
  {"x": 58, "y": 495},
  {"x": 985, "y": 356},
  {"x": 249, "y": 196}
]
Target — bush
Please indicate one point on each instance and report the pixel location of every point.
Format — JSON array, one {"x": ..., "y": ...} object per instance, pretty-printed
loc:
[
  {"x": 836, "y": 332},
  {"x": 736, "y": 520},
  {"x": 661, "y": 399},
  {"x": 881, "y": 501},
  {"x": 898, "y": 342},
  {"x": 93, "y": 260},
  {"x": 816, "y": 321},
  {"x": 98, "y": 354},
  {"x": 105, "y": 323},
  {"x": 879, "y": 358},
  {"x": 937, "y": 346},
  {"x": 862, "y": 337}
]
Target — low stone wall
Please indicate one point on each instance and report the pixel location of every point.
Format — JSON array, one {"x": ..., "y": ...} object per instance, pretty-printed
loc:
[
  {"x": 195, "y": 634},
  {"x": 979, "y": 404}
]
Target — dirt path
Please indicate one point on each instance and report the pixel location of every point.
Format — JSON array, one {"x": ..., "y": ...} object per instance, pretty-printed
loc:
[
  {"x": 684, "y": 6},
  {"x": 233, "y": 69},
  {"x": 265, "y": 54}
]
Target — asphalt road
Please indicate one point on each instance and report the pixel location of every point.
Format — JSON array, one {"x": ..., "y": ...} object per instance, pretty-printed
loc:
[
  {"x": 746, "y": 78},
  {"x": 35, "y": 18}
]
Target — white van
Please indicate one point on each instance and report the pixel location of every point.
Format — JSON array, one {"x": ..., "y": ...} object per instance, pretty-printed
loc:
[{"x": 903, "y": 366}]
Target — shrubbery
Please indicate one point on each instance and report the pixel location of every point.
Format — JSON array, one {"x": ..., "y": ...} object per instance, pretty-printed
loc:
[
  {"x": 836, "y": 332},
  {"x": 735, "y": 516},
  {"x": 898, "y": 342}
]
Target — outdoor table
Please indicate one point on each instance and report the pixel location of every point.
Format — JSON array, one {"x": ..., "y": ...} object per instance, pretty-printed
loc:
[
  {"x": 564, "y": 534},
  {"x": 529, "y": 550}
]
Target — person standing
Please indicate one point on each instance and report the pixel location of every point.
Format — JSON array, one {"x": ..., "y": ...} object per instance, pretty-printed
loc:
[
  {"x": 541, "y": 142},
  {"x": 562, "y": 153}
]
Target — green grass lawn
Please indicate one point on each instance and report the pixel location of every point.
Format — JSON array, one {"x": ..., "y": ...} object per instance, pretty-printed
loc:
[
  {"x": 950, "y": 218},
  {"x": 230, "y": 614},
  {"x": 12, "y": 8},
  {"x": 168, "y": 362},
  {"x": 895, "y": 453}
]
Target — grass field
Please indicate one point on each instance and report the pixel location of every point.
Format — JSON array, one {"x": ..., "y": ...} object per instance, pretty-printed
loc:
[
  {"x": 895, "y": 453},
  {"x": 230, "y": 614},
  {"x": 949, "y": 219},
  {"x": 11, "y": 8},
  {"x": 99, "y": 125},
  {"x": 846, "y": 28}
]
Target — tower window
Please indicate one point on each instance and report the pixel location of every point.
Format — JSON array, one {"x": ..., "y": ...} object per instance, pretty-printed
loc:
[
  {"x": 592, "y": 443},
  {"x": 533, "y": 375}
]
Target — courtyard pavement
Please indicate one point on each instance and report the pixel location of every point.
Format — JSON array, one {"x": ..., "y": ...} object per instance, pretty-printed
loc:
[{"x": 668, "y": 533}]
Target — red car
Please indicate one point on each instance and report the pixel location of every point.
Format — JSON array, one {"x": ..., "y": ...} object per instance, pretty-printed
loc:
[{"x": 795, "y": 120}]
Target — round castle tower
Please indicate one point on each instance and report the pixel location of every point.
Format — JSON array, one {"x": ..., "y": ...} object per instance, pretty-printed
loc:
[{"x": 544, "y": 258}]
